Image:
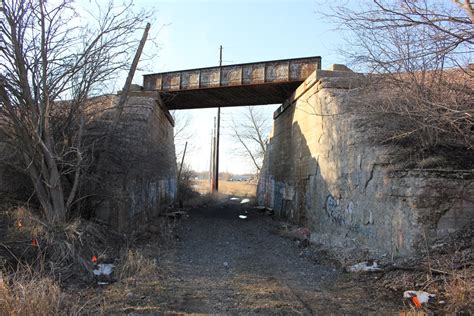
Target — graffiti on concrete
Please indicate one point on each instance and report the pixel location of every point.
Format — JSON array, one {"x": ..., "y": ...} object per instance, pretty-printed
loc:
[{"x": 334, "y": 211}]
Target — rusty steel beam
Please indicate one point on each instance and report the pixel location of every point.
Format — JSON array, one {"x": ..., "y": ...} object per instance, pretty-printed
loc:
[{"x": 242, "y": 84}]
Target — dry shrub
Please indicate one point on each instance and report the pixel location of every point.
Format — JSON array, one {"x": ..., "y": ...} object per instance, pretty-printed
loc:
[
  {"x": 429, "y": 115},
  {"x": 444, "y": 269},
  {"x": 60, "y": 247},
  {"x": 459, "y": 289},
  {"x": 134, "y": 264},
  {"x": 27, "y": 292}
]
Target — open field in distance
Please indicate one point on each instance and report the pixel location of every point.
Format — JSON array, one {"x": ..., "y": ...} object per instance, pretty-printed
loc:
[{"x": 238, "y": 188}]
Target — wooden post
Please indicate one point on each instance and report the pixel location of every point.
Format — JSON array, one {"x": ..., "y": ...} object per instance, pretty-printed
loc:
[
  {"x": 126, "y": 88},
  {"x": 182, "y": 161}
]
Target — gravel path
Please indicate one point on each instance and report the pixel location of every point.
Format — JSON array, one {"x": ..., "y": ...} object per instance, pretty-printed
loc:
[{"x": 223, "y": 264}]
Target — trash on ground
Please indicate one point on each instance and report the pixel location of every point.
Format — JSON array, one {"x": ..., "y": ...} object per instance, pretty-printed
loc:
[
  {"x": 102, "y": 283},
  {"x": 235, "y": 199},
  {"x": 418, "y": 298},
  {"x": 303, "y": 233},
  {"x": 366, "y": 266},
  {"x": 103, "y": 269},
  {"x": 244, "y": 201},
  {"x": 243, "y": 216}
]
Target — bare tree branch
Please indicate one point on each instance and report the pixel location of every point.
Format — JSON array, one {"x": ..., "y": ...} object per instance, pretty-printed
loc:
[
  {"x": 250, "y": 133},
  {"x": 49, "y": 54}
]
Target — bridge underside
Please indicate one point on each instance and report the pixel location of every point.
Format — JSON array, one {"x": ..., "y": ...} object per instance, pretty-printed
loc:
[
  {"x": 230, "y": 96},
  {"x": 259, "y": 83}
]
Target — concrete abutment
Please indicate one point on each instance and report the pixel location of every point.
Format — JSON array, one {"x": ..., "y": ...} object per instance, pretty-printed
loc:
[
  {"x": 138, "y": 176},
  {"x": 321, "y": 170}
]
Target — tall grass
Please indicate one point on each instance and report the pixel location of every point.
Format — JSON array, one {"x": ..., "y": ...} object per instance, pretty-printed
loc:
[
  {"x": 29, "y": 292},
  {"x": 134, "y": 264}
]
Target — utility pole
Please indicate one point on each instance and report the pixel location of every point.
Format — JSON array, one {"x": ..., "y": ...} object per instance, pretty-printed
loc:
[
  {"x": 218, "y": 132},
  {"x": 213, "y": 158}
]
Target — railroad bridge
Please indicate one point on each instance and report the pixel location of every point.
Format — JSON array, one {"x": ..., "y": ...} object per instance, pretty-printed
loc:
[
  {"x": 259, "y": 83},
  {"x": 321, "y": 168}
]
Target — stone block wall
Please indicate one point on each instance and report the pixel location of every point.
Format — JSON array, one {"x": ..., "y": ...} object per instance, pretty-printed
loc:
[
  {"x": 139, "y": 175},
  {"x": 321, "y": 170}
]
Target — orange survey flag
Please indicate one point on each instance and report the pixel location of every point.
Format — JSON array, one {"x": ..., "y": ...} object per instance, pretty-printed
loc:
[
  {"x": 94, "y": 259},
  {"x": 34, "y": 243},
  {"x": 416, "y": 301}
]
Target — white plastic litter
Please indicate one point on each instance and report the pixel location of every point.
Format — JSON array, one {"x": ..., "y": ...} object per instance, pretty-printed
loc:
[
  {"x": 364, "y": 266},
  {"x": 244, "y": 201},
  {"x": 243, "y": 216},
  {"x": 104, "y": 269},
  {"x": 102, "y": 283},
  {"x": 234, "y": 198},
  {"x": 423, "y": 296}
]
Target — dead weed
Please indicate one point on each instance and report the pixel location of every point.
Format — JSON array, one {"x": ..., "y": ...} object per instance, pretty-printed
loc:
[
  {"x": 61, "y": 246},
  {"x": 28, "y": 292},
  {"x": 133, "y": 264}
]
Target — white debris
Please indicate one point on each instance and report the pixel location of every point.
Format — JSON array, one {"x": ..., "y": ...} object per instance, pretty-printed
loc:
[
  {"x": 423, "y": 297},
  {"x": 235, "y": 199},
  {"x": 244, "y": 201},
  {"x": 104, "y": 269},
  {"x": 364, "y": 266},
  {"x": 102, "y": 283},
  {"x": 243, "y": 216}
]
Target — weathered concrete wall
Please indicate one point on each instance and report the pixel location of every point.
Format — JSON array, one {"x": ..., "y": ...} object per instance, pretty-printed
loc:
[
  {"x": 139, "y": 175},
  {"x": 321, "y": 171}
]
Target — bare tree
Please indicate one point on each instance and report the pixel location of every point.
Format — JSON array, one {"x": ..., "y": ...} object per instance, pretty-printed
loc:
[
  {"x": 408, "y": 35},
  {"x": 420, "y": 51},
  {"x": 52, "y": 60},
  {"x": 251, "y": 131},
  {"x": 182, "y": 131}
]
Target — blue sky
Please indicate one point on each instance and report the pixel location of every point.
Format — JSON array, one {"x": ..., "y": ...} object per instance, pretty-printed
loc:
[{"x": 189, "y": 34}]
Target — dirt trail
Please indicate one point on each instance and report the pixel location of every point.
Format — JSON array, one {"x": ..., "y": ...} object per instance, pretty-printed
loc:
[{"x": 223, "y": 264}]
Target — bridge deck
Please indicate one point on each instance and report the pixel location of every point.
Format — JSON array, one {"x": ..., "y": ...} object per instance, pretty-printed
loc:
[{"x": 258, "y": 83}]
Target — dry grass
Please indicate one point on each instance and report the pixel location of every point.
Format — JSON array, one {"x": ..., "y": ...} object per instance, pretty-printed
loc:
[
  {"x": 444, "y": 269},
  {"x": 27, "y": 292},
  {"x": 62, "y": 246},
  {"x": 237, "y": 188},
  {"x": 459, "y": 290},
  {"x": 133, "y": 264}
]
